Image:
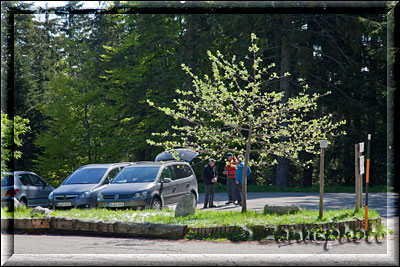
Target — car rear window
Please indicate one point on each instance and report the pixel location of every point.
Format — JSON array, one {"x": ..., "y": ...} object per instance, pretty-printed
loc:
[
  {"x": 7, "y": 180},
  {"x": 37, "y": 181},
  {"x": 179, "y": 171},
  {"x": 86, "y": 176},
  {"x": 25, "y": 180},
  {"x": 188, "y": 170},
  {"x": 137, "y": 174}
]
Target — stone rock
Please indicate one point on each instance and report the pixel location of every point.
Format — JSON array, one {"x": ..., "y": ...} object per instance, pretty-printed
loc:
[
  {"x": 281, "y": 209},
  {"x": 39, "y": 211},
  {"x": 186, "y": 206},
  {"x": 17, "y": 204},
  {"x": 61, "y": 223},
  {"x": 22, "y": 224}
]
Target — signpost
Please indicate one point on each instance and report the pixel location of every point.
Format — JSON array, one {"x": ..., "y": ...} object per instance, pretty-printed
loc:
[
  {"x": 323, "y": 145},
  {"x": 367, "y": 183},
  {"x": 362, "y": 169},
  {"x": 359, "y": 171}
]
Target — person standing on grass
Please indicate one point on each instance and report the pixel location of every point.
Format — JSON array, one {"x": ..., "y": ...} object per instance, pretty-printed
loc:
[
  {"x": 210, "y": 178},
  {"x": 239, "y": 180},
  {"x": 230, "y": 171}
]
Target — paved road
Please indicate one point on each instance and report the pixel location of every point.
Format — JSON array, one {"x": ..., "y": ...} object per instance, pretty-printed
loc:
[
  {"x": 385, "y": 203},
  {"x": 57, "y": 249},
  {"x": 53, "y": 250}
]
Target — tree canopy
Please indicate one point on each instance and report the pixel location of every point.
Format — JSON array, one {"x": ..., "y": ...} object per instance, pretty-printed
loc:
[
  {"x": 237, "y": 105},
  {"x": 83, "y": 79}
]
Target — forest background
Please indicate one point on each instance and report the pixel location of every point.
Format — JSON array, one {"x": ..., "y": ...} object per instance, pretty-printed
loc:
[{"x": 83, "y": 78}]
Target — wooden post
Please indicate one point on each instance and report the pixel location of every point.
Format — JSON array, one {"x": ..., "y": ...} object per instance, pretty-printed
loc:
[
  {"x": 362, "y": 170},
  {"x": 321, "y": 183},
  {"x": 367, "y": 183},
  {"x": 357, "y": 177}
]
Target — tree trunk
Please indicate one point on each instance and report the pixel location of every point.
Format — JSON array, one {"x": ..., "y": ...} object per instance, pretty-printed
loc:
[
  {"x": 282, "y": 171},
  {"x": 307, "y": 171},
  {"x": 372, "y": 99},
  {"x": 246, "y": 164},
  {"x": 87, "y": 126}
]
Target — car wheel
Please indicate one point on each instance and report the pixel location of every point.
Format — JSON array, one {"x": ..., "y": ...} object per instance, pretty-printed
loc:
[
  {"x": 156, "y": 204},
  {"x": 195, "y": 199}
]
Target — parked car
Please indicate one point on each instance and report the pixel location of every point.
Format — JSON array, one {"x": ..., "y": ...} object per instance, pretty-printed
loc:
[
  {"x": 80, "y": 189},
  {"x": 150, "y": 185},
  {"x": 27, "y": 187}
]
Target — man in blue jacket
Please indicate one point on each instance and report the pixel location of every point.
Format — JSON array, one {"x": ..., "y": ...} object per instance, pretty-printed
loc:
[{"x": 239, "y": 175}]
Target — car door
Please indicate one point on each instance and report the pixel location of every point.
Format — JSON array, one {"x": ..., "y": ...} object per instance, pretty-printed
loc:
[
  {"x": 169, "y": 190},
  {"x": 40, "y": 189},
  {"x": 183, "y": 180},
  {"x": 27, "y": 188}
]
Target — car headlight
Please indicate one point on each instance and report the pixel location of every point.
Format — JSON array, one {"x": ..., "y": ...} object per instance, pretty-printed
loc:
[
  {"x": 100, "y": 196},
  {"x": 51, "y": 195},
  {"x": 85, "y": 195},
  {"x": 140, "y": 194}
]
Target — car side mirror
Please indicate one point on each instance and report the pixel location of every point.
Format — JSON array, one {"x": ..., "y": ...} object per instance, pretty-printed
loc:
[{"x": 166, "y": 180}]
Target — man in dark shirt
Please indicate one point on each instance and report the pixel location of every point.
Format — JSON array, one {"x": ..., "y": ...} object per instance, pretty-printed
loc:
[{"x": 210, "y": 178}]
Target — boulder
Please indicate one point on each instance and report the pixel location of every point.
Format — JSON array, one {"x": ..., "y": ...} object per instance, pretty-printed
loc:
[
  {"x": 39, "y": 211},
  {"x": 281, "y": 209},
  {"x": 186, "y": 206},
  {"x": 17, "y": 204}
]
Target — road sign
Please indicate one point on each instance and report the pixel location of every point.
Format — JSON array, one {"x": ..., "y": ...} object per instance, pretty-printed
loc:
[
  {"x": 324, "y": 143},
  {"x": 361, "y": 146},
  {"x": 362, "y": 167}
]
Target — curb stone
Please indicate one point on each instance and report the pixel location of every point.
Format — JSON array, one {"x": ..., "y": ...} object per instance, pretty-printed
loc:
[
  {"x": 259, "y": 231},
  {"x": 62, "y": 224}
]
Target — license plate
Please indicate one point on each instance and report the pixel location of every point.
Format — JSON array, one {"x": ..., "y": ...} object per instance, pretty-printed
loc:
[
  {"x": 64, "y": 204},
  {"x": 116, "y": 204}
]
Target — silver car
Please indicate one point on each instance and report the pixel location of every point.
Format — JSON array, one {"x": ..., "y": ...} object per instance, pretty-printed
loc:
[
  {"x": 144, "y": 185},
  {"x": 27, "y": 187},
  {"x": 79, "y": 190}
]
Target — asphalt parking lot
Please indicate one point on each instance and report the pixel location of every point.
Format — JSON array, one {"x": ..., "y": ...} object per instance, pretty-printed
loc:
[{"x": 385, "y": 203}]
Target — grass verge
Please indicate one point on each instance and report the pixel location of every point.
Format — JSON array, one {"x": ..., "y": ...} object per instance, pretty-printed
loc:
[
  {"x": 209, "y": 218},
  {"x": 202, "y": 218}
]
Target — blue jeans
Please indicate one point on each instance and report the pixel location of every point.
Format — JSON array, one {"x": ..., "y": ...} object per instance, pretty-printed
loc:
[{"x": 238, "y": 192}]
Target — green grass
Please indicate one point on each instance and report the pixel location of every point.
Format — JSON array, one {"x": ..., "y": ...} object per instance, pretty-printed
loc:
[
  {"x": 221, "y": 188},
  {"x": 203, "y": 217}
]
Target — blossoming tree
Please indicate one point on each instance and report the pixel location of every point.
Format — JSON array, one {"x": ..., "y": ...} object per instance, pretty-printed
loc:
[{"x": 237, "y": 111}]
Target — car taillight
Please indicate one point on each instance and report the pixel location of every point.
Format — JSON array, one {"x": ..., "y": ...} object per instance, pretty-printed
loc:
[{"x": 12, "y": 192}]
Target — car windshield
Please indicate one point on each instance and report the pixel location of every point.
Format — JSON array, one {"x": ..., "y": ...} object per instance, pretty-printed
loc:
[
  {"x": 7, "y": 180},
  {"x": 86, "y": 176},
  {"x": 142, "y": 174}
]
